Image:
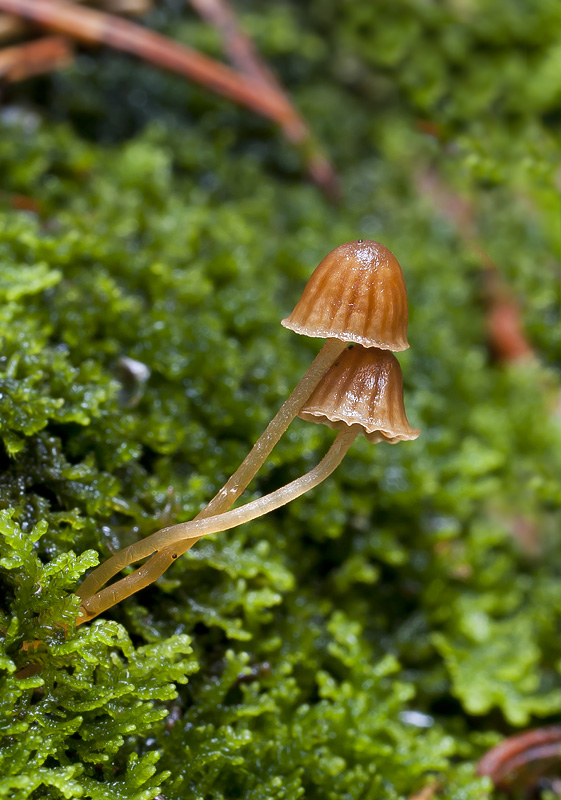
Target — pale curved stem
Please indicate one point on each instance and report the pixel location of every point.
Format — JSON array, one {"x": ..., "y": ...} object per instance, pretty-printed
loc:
[
  {"x": 242, "y": 477},
  {"x": 167, "y": 544},
  {"x": 176, "y": 534}
]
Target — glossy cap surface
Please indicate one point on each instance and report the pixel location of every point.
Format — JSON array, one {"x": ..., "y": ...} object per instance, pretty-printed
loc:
[
  {"x": 356, "y": 294},
  {"x": 363, "y": 387}
]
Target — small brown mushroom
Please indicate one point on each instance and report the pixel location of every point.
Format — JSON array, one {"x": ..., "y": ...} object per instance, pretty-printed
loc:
[
  {"x": 361, "y": 393},
  {"x": 355, "y": 281},
  {"x": 357, "y": 294},
  {"x": 363, "y": 387}
]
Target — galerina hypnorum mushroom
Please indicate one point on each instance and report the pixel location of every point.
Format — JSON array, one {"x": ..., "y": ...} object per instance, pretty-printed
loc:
[
  {"x": 356, "y": 294},
  {"x": 362, "y": 392}
]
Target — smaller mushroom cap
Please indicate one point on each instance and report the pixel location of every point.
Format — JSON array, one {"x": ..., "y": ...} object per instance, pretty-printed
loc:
[
  {"x": 356, "y": 294},
  {"x": 363, "y": 387}
]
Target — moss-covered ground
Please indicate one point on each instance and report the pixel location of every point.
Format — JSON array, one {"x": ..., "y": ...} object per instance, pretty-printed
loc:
[{"x": 381, "y": 633}]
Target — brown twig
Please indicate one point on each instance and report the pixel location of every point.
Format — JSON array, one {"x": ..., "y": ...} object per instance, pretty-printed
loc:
[
  {"x": 96, "y": 27},
  {"x": 35, "y": 58},
  {"x": 505, "y": 331},
  {"x": 237, "y": 44},
  {"x": 20, "y": 202},
  {"x": 11, "y": 27},
  {"x": 258, "y": 90},
  {"x": 133, "y": 8},
  {"x": 448, "y": 203},
  {"x": 505, "y": 761},
  {"x": 245, "y": 57}
]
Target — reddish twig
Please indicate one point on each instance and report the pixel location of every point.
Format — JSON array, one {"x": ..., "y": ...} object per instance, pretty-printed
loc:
[
  {"x": 449, "y": 204},
  {"x": 10, "y": 27},
  {"x": 35, "y": 58},
  {"x": 96, "y": 27},
  {"x": 505, "y": 331},
  {"x": 20, "y": 202},
  {"x": 509, "y": 757},
  {"x": 245, "y": 57},
  {"x": 237, "y": 44},
  {"x": 133, "y": 8},
  {"x": 504, "y": 328}
]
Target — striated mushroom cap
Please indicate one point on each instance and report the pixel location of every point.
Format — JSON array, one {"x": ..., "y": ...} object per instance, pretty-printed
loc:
[
  {"x": 363, "y": 387},
  {"x": 357, "y": 294}
]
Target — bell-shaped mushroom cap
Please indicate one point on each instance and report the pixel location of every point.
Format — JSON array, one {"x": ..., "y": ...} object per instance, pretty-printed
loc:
[
  {"x": 357, "y": 294},
  {"x": 363, "y": 387}
]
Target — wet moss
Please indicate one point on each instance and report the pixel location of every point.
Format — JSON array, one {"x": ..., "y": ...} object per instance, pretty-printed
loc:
[{"x": 374, "y": 636}]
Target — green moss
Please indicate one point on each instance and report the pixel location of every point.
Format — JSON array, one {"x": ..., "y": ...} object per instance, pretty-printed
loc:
[{"x": 283, "y": 659}]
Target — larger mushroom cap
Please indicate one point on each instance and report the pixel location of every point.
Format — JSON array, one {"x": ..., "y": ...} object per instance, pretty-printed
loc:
[
  {"x": 356, "y": 294},
  {"x": 364, "y": 387}
]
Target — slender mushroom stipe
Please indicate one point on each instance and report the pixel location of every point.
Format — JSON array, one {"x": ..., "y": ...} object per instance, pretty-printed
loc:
[
  {"x": 362, "y": 392},
  {"x": 242, "y": 477},
  {"x": 164, "y": 542}
]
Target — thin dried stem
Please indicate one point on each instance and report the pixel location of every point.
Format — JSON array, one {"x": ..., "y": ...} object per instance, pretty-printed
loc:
[
  {"x": 506, "y": 759},
  {"x": 161, "y": 544},
  {"x": 262, "y": 448},
  {"x": 95, "y": 27},
  {"x": 505, "y": 330},
  {"x": 129, "y": 8},
  {"x": 237, "y": 44},
  {"x": 11, "y": 27},
  {"x": 508, "y": 341},
  {"x": 264, "y": 97},
  {"x": 236, "y": 485},
  {"x": 244, "y": 56},
  {"x": 35, "y": 58}
]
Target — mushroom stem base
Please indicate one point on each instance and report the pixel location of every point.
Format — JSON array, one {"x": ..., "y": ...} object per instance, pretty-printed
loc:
[
  {"x": 169, "y": 543},
  {"x": 242, "y": 477}
]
